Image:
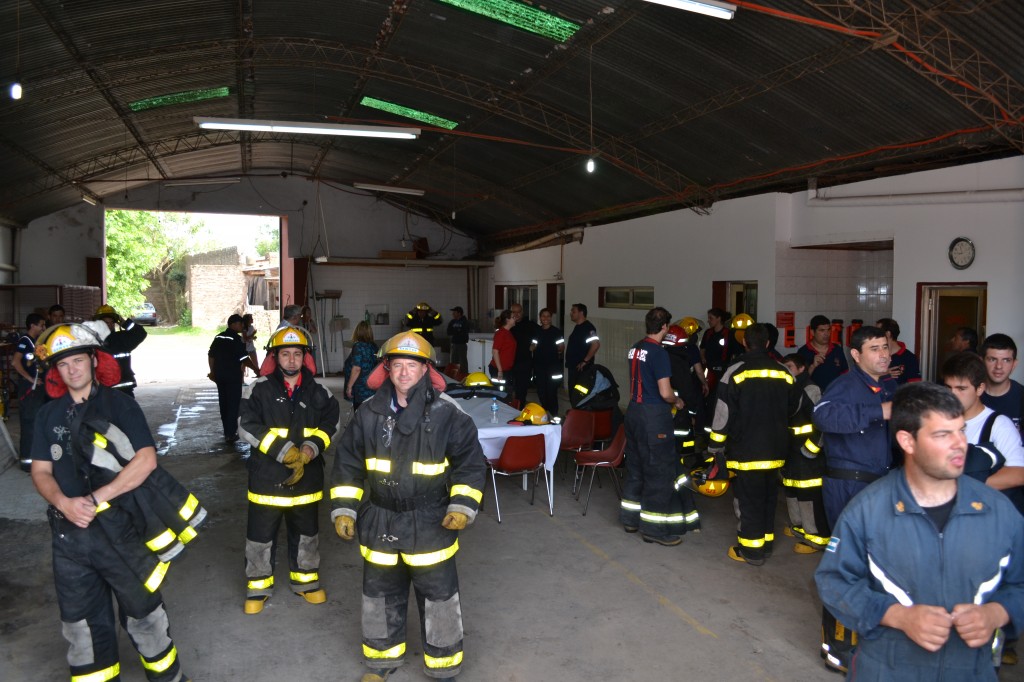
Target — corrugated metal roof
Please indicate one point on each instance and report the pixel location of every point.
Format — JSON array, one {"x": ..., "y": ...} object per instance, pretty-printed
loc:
[{"x": 681, "y": 108}]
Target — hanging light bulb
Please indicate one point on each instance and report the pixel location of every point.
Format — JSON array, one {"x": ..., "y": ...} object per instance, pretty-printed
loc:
[
  {"x": 16, "y": 90},
  {"x": 590, "y": 165}
]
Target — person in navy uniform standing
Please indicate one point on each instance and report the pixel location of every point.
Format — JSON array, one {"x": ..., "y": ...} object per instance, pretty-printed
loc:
[{"x": 650, "y": 503}]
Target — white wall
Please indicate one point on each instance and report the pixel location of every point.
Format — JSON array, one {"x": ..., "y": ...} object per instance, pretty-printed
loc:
[{"x": 322, "y": 221}]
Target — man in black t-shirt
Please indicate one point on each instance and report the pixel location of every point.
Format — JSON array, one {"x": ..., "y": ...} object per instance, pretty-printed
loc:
[
  {"x": 583, "y": 343},
  {"x": 458, "y": 334},
  {"x": 228, "y": 359},
  {"x": 525, "y": 333},
  {"x": 31, "y": 395},
  {"x": 1004, "y": 395}
]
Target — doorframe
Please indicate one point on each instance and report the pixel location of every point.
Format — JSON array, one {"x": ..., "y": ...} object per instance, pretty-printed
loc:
[{"x": 922, "y": 317}]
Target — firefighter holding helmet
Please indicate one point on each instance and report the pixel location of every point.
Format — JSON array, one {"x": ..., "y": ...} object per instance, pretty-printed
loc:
[
  {"x": 409, "y": 474},
  {"x": 289, "y": 420},
  {"x": 98, "y": 552}
]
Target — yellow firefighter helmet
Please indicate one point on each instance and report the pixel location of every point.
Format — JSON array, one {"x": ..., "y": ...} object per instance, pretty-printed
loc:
[
  {"x": 65, "y": 339},
  {"x": 409, "y": 345},
  {"x": 691, "y": 324},
  {"x": 534, "y": 414},
  {"x": 709, "y": 487},
  {"x": 422, "y": 305},
  {"x": 105, "y": 311},
  {"x": 289, "y": 337},
  {"x": 739, "y": 325},
  {"x": 477, "y": 379}
]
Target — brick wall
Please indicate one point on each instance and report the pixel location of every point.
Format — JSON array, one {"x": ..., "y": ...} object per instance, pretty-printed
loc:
[{"x": 215, "y": 292}]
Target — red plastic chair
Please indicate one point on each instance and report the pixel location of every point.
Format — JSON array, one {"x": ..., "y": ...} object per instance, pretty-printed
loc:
[
  {"x": 521, "y": 455},
  {"x": 602, "y": 426},
  {"x": 577, "y": 432},
  {"x": 609, "y": 458}
]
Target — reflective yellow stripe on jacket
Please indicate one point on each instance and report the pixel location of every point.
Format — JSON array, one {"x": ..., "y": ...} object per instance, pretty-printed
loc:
[
  {"x": 467, "y": 491},
  {"x": 275, "y": 501},
  {"x": 805, "y": 483},
  {"x": 349, "y": 492},
  {"x": 308, "y": 433},
  {"x": 783, "y": 374},
  {"x": 756, "y": 466},
  {"x": 272, "y": 435}
]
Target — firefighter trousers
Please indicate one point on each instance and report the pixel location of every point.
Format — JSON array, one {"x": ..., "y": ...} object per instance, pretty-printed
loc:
[
  {"x": 650, "y": 500},
  {"x": 87, "y": 569},
  {"x": 547, "y": 387},
  {"x": 806, "y": 509},
  {"x": 303, "y": 526},
  {"x": 757, "y": 493},
  {"x": 229, "y": 397},
  {"x": 386, "y": 607}
]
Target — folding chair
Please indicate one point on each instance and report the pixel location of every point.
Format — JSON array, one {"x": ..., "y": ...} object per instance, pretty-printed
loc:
[
  {"x": 609, "y": 458},
  {"x": 520, "y": 455},
  {"x": 577, "y": 432}
]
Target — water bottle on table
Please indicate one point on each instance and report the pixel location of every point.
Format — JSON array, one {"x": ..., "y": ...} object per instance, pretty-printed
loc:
[{"x": 494, "y": 410}]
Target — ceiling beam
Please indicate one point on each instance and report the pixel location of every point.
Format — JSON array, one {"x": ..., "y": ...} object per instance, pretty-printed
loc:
[
  {"x": 918, "y": 39},
  {"x": 245, "y": 79},
  {"x": 58, "y": 178},
  {"x": 99, "y": 81}
]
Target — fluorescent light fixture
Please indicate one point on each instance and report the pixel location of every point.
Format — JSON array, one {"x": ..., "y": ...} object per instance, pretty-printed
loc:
[
  {"x": 297, "y": 127},
  {"x": 88, "y": 199},
  {"x": 185, "y": 182},
  {"x": 16, "y": 91},
  {"x": 389, "y": 188},
  {"x": 178, "y": 98},
  {"x": 407, "y": 112},
  {"x": 711, "y": 8},
  {"x": 520, "y": 15}
]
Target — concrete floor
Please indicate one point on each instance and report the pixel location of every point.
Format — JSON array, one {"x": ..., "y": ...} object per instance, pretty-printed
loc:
[{"x": 568, "y": 598}]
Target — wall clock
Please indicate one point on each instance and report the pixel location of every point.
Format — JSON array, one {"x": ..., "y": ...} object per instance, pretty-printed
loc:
[{"x": 961, "y": 253}]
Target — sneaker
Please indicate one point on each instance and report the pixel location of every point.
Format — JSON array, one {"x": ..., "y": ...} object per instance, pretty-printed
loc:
[
  {"x": 666, "y": 540},
  {"x": 734, "y": 554}
]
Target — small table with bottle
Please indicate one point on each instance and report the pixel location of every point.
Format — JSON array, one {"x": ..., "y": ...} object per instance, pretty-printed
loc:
[{"x": 492, "y": 434}]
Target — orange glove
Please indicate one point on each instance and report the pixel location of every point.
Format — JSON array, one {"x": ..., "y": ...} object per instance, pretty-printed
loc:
[
  {"x": 345, "y": 527},
  {"x": 455, "y": 521}
]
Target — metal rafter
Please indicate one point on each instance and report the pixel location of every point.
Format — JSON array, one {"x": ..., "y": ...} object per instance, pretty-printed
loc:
[
  {"x": 918, "y": 39},
  {"x": 245, "y": 78},
  {"x": 50, "y": 173},
  {"x": 99, "y": 81},
  {"x": 396, "y": 12}
]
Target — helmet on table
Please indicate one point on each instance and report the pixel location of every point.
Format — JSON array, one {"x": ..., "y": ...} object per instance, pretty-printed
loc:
[
  {"x": 534, "y": 414},
  {"x": 676, "y": 336},
  {"x": 289, "y": 337},
  {"x": 477, "y": 379},
  {"x": 408, "y": 345}
]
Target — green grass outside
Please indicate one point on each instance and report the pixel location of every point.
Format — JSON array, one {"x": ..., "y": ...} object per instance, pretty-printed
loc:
[{"x": 180, "y": 331}]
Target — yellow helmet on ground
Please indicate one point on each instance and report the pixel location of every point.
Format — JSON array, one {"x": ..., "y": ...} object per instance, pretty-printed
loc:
[
  {"x": 289, "y": 337},
  {"x": 477, "y": 379},
  {"x": 534, "y": 414},
  {"x": 105, "y": 311},
  {"x": 691, "y": 324},
  {"x": 422, "y": 305},
  {"x": 65, "y": 339},
  {"x": 409, "y": 345},
  {"x": 709, "y": 487}
]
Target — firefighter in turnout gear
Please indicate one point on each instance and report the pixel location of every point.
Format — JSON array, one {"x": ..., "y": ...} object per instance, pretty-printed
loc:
[
  {"x": 422, "y": 320},
  {"x": 756, "y": 397},
  {"x": 289, "y": 420},
  {"x": 94, "y": 461},
  {"x": 409, "y": 474},
  {"x": 805, "y": 466},
  {"x": 651, "y": 502},
  {"x": 120, "y": 343}
]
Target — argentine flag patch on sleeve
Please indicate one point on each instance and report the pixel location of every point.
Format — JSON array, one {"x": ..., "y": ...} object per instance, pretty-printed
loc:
[{"x": 833, "y": 544}]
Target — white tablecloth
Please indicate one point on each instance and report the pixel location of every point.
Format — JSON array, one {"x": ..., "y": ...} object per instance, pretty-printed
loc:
[{"x": 492, "y": 436}]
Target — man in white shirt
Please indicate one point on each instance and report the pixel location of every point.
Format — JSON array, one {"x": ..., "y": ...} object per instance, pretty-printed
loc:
[{"x": 964, "y": 374}]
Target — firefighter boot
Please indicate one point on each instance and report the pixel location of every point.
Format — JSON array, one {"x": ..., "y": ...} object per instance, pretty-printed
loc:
[
  {"x": 254, "y": 605},
  {"x": 378, "y": 676},
  {"x": 315, "y": 596}
]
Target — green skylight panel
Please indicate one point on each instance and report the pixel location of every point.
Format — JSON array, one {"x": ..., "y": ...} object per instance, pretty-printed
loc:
[
  {"x": 178, "y": 98},
  {"x": 521, "y": 16},
  {"x": 406, "y": 112}
]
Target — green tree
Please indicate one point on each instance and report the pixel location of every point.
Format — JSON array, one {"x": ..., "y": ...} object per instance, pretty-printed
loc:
[
  {"x": 135, "y": 245},
  {"x": 268, "y": 241}
]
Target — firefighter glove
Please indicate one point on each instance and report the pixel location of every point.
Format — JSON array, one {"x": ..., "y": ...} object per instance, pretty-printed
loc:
[
  {"x": 455, "y": 521},
  {"x": 294, "y": 455},
  {"x": 345, "y": 526},
  {"x": 298, "y": 468}
]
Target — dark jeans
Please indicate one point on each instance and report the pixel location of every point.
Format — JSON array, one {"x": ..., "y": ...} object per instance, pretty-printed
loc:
[{"x": 229, "y": 395}]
